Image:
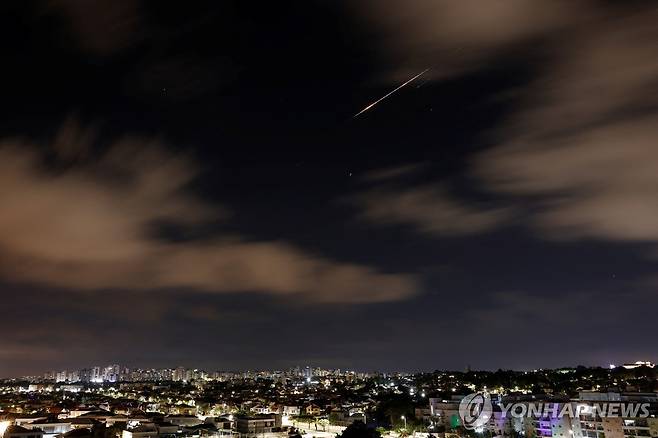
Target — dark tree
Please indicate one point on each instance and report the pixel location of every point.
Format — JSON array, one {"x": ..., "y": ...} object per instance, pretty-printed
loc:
[{"x": 359, "y": 430}]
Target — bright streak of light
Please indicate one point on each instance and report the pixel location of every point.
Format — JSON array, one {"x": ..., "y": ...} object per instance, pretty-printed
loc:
[{"x": 391, "y": 92}]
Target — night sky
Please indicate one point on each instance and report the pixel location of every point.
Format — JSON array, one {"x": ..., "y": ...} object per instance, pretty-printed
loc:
[{"x": 185, "y": 184}]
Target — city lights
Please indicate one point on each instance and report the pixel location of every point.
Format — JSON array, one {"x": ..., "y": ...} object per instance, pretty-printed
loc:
[{"x": 3, "y": 426}]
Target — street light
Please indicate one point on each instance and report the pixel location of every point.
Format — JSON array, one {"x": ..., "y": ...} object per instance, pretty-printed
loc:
[
  {"x": 3, "y": 426},
  {"x": 405, "y": 422}
]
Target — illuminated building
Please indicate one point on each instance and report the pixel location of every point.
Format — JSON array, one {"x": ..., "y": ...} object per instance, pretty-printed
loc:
[
  {"x": 253, "y": 426},
  {"x": 15, "y": 431}
]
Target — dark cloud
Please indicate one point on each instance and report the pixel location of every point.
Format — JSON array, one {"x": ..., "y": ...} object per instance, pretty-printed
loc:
[
  {"x": 78, "y": 228},
  {"x": 395, "y": 172},
  {"x": 453, "y": 36},
  {"x": 583, "y": 142},
  {"x": 102, "y": 27}
]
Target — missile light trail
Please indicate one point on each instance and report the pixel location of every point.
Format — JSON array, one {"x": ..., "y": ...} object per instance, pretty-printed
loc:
[{"x": 391, "y": 92}]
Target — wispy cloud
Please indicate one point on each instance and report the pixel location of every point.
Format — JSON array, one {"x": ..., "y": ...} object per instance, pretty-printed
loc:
[
  {"x": 429, "y": 209},
  {"x": 578, "y": 154},
  {"x": 86, "y": 224},
  {"x": 453, "y": 36},
  {"x": 102, "y": 27},
  {"x": 582, "y": 147},
  {"x": 394, "y": 172}
]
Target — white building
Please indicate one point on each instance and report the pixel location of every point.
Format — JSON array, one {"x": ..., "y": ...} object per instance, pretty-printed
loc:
[
  {"x": 49, "y": 428},
  {"x": 141, "y": 431},
  {"x": 15, "y": 431}
]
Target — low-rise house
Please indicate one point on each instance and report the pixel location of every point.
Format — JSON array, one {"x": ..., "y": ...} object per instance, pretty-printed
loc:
[
  {"x": 255, "y": 425},
  {"x": 424, "y": 414},
  {"x": 15, "y": 431},
  {"x": 291, "y": 410},
  {"x": 200, "y": 430},
  {"x": 50, "y": 427},
  {"x": 166, "y": 428},
  {"x": 77, "y": 433},
  {"x": 82, "y": 423},
  {"x": 339, "y": 417},
  {"x": 117, "y": 419},
  {"x": 20, "y": 420},
  {"x": 141, "y": 431},
  {"x": 313, "y": 410},
  {"x": 260, "y": 409},
  {"x": 100, "y": 415},
  {"x": 221, "y": 423},
  {"x": 183, "y": 420},
  {"x": 183, "y": 410}
]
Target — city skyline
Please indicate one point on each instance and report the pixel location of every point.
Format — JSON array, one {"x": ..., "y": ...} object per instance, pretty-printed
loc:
[
  {"x": 116, "y": 372},
  {"x": 305, "y": 402}
]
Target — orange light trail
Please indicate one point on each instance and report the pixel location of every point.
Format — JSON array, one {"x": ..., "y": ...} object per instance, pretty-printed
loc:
[{"x": 388, "y": 94}]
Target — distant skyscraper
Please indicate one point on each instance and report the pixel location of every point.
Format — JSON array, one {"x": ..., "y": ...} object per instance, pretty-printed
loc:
[
  {"x": 85, "y": 375},
  {"x": 73, "y": 376},
  {"x": 179, "y": 374},
  {"x": 96, "y": 375},
  {"x": 111, "y": 373}
]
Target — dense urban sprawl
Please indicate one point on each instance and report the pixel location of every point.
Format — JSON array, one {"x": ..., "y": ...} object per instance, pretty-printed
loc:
[{"x": 114, "y": 401}]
